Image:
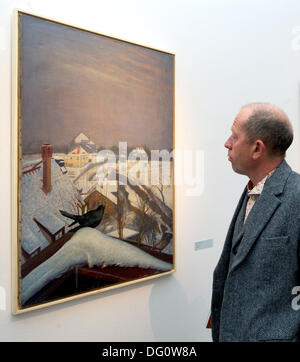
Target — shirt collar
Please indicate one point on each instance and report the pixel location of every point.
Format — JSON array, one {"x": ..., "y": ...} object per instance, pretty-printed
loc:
[{"x": 257, "y": 190}]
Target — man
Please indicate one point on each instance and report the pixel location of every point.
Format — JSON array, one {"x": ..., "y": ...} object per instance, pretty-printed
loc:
[{"x": 259, "y": 265}]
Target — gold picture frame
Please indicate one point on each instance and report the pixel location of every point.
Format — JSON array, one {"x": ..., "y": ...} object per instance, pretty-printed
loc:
[{"x": 93, "y": 168}]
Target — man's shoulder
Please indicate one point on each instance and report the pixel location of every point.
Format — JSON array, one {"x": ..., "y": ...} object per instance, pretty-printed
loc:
[
  {"x": 293, "y": 184},
  {"x": 294, "y": 178}
]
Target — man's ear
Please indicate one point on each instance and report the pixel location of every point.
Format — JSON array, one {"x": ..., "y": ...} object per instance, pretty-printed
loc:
[{"x": 259, "y": 149}]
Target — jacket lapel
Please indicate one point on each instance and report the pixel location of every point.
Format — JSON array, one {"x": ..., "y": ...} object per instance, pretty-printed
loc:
[
  {"x": 262, "y": 211},
  {"x": 255, "y": 223}
]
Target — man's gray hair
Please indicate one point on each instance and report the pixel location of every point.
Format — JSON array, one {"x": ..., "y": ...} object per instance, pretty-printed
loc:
[{"x": 270, "y": 124}]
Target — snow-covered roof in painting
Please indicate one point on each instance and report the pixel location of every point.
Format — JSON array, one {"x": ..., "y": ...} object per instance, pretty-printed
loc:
[
  {"x": 45, "y": 207},
  {"x": 108, "y": 191},
  {"x": 82, "y": 140},
  {"x": 52, "y": 222},
  {"x": 81, "y": 137},
  {"x": 89, "y": 147},
  {"x": 127, "y": 233},
  {"x": 92, "y": 247},
  {"x": 32, "y": 238}
]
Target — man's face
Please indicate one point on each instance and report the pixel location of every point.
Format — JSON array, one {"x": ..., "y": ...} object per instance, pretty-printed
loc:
[{"x": 239, "y": 151}]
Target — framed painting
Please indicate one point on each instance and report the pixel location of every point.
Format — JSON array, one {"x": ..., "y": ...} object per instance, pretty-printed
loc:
[{"x": 93, "y": 139}]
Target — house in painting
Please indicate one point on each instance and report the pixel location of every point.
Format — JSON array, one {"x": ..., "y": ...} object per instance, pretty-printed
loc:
[
  {"x": 85, "y": 141},
  {"x": 96, "y": 198},
  {"x": 83, "y": 152},
  {"x": 45, "y": 190},
  {"x": 87, "y": 144},
  {"x": 78, "y": 157}
]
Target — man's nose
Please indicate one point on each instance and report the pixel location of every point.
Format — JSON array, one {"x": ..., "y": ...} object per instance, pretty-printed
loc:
[{"x": 228, "y": 144}]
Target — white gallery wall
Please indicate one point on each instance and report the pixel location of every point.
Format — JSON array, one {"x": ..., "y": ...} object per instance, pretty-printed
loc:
[{"x": 228, "y": 53}]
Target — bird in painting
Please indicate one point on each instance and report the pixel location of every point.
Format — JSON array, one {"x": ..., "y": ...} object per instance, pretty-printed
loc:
[{"x": 90, "y": 219}]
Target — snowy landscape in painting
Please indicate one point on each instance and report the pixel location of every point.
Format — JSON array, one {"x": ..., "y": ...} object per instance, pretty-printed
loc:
[{"x": 137, "y": 217}]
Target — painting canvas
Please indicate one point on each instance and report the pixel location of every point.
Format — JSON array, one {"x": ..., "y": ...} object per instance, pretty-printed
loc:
[{"x": 93, "y": 163}]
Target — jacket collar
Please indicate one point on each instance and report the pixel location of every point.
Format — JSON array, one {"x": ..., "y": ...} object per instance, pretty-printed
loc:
[
  {"x": 277, "y": 181},
  {"x": 262, "y": 211}
]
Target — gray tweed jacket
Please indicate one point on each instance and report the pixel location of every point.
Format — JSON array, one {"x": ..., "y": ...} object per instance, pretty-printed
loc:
[{"x": 252, "y": 294}]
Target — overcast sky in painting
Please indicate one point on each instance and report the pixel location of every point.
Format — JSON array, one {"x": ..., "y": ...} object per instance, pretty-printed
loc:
[{"x": 75, "y": 81}]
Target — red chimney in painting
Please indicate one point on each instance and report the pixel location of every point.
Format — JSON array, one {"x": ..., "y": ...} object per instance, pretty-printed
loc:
[{"x": 46, "y": 150}]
